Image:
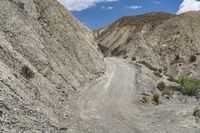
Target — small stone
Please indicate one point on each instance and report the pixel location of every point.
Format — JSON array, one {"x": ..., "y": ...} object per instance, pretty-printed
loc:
[
  {"x": 1, "y": 113},
  {"x": 196, "y": 113},
  {"x": 167, "y": 97},
  {"x": 63, "y": 128}
]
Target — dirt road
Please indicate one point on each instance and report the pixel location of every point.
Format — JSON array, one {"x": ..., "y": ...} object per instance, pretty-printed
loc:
[{"x": 111, "y": 105}]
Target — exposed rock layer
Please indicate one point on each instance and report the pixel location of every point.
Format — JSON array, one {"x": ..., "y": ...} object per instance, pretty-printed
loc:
[
  {"x": 45, "y": 56},
  {"x": 169, "y": 42}
]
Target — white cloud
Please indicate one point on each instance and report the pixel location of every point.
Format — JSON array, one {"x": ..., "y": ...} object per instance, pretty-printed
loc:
[
  {"x": 79, "y": 5},
  {"x": 107, "y": 8},
  {"x": 189, "y": 5},
  {"x": 135, "y": 7},
  {"x": 157, "y": 2}
]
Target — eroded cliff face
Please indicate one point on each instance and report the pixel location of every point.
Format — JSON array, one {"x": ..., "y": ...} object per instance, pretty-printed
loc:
[
  {"x": 169, "y": 42},
  {"x": 123, "y": 30},
  {"x": 46, "y": 55}
]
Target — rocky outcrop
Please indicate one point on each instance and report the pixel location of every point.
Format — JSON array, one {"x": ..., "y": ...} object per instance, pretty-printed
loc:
[
  {"x": 46, "y": 55},
  {"x": 168, "y": 42},
  {"x": 121, "y": 31}
]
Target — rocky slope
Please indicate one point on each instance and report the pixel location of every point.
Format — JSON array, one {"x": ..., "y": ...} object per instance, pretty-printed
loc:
[
  {"x": 46, "y": 55},
  {"x": 165, "y": 41}
]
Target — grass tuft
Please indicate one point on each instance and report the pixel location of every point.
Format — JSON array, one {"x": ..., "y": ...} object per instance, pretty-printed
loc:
[
  {"x": 190, "y": 86},
  {"x": 156, "y": 98},
  {"x": 161, "y": 86}
]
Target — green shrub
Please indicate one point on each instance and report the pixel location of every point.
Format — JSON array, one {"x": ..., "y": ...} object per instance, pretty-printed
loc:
[
  {"x": 190, "y": 86},
  {"x": 156, "y": 98}
]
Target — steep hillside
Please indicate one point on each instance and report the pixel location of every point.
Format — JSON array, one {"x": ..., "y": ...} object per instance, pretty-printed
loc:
[
  {"x": 120, "y": 32},
  {"x": 165, "y": 41},
  {"x": 46, "y": 55}
]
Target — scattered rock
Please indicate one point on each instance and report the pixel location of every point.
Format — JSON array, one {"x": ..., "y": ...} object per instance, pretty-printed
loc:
[
  {"x": 1, "y": 113},
  {"x": 196, "y": 114},
  {"x": 63, "y": 128},
  {"x": 42, "y": 42}
]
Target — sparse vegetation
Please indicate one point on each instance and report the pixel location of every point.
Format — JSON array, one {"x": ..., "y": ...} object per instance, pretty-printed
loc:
[
  {"x": 153, "y": 98},
  {"x": 161, "y": 86},
  {"x": 129, "y": 39},
  {"x": 148, "y": 65},
  {"x": 1, "y": 113},
  {"x": 156, "y": 98},
  {"x": 160, "y": 70},
  {"x": 193, "y": 58},
  {"x": 177, "y": 57},
  {"x": 157, "y": 74},
  {"x": 172, "y": 87},
  {"x": 146, "y": 99},
  {"x": 190, "y": 86},
  {"x": 27, "y": 72},
  {"x": 133, "y": 58},
  {"x": 166, "y": 89},
  {"x": 196, "y": 114},
  {"x": 172, "y": 79}
]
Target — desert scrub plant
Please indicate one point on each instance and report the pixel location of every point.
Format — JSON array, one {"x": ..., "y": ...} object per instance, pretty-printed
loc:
[
  {"x": 166, "y": 89},
  {"x": 157, "y": 74},
  {"x": 156, "y": 98},
  {"x": 190, "y": 86},
  {"x": 27, "y": 72},
  {"x": 160, "y": 70},
  {"x": 193, "y": 58},
  {"x": 133, "y": 58},
  {"x": 145, "y": 99},
  {"x": 161, "y": 86}
]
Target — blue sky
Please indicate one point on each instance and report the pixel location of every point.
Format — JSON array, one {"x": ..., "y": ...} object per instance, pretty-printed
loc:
[{"x": 99, "y": 13}]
